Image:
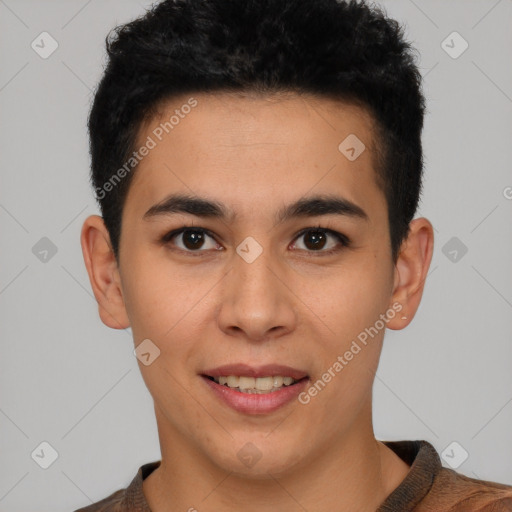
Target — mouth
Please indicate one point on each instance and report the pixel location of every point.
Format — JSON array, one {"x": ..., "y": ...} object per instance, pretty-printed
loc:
[
  {"x": 255, "y": 390},
  {"x": 252, "y": 385}
]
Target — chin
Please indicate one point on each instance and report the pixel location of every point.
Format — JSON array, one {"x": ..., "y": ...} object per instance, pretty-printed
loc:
[{"x": 258, "y": 459}]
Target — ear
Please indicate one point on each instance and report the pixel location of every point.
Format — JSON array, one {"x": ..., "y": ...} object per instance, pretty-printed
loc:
[
  {"x": 411, "y": 271},
  {"x": 103, "y": 272}
]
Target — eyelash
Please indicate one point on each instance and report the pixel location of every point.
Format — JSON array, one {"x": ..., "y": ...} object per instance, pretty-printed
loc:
[{"x": 342, "y": 239}]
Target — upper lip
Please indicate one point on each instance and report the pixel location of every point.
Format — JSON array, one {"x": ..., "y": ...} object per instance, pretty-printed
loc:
[{"x": 267, "y": 370}]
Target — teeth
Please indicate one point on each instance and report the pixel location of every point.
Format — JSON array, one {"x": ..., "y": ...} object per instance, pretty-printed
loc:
[
  {"x": 278, "y": 382},
  {"x": 232, "y": 381},
  {"x": 254, "y": 385},
  {"x": 246, "y": 382}
]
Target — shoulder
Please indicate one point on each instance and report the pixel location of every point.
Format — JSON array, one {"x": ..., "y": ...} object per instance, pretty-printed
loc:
[
  {"x": 458, "y": 492},
  {"x": 430, "y": 487},
  {"x": 128, "y": 499}
]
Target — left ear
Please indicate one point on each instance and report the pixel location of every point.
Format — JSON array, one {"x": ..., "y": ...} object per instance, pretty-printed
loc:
[{"x": 411, "y": 271}]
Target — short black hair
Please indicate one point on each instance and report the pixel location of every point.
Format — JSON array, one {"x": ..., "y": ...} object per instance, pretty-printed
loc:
[{"x": 345, "y": 50}]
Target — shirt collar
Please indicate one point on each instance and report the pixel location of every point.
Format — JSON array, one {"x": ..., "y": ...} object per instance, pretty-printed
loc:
[{"x": 425, "y": 466}]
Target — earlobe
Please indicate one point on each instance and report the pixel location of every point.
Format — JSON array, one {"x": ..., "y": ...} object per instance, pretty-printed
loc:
[
  {"x": 102, "y": 268},
  {"x": 411, "y": 271}
]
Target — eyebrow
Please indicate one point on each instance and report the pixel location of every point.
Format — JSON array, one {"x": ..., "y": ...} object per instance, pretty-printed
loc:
[{"x": 304, "y": 207}]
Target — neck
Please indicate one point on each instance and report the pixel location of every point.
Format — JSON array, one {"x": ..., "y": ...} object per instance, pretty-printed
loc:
[{"x": 354, "y": 473}]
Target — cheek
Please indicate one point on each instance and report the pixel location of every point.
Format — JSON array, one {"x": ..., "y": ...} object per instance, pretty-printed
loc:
[
  {"x": 349, "y": 298},
  {"x": 166, "y": 304}
]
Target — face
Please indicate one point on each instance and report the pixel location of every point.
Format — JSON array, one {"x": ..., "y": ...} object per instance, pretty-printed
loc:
[{"x": 275, "y": 266}]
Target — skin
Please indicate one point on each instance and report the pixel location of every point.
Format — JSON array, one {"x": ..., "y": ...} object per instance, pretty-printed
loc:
[{"x": 293, "y": 305}]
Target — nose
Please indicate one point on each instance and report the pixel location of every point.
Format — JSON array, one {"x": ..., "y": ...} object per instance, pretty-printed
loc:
[{"x": 257, "y": 299}]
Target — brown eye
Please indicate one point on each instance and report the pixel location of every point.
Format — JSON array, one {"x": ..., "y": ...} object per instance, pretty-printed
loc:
[
  {"x": 315, "y": 240},
  {"x": 321, "y": 240},
  {"x": 191, "y": 240}
]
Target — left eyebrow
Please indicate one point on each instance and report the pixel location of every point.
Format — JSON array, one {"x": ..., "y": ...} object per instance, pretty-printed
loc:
[
  {"x": 321, "y": 205},
  {"x": 305, "y": 207}
]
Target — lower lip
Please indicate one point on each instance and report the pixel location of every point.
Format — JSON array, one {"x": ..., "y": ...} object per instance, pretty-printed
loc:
[{"x": 255, "y": 403}]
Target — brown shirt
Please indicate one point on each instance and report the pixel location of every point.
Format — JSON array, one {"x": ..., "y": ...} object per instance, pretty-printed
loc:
[{"x": 428, "y": 487}]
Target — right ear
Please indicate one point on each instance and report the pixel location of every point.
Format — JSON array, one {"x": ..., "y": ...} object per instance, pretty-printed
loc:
[{"x": 103, "y": 272}]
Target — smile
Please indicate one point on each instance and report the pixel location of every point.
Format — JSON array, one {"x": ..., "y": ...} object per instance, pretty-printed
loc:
[{"x": 259, "y": 385}]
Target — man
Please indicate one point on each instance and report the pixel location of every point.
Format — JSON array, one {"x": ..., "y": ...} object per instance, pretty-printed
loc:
[{"x": 258, "y": 166}]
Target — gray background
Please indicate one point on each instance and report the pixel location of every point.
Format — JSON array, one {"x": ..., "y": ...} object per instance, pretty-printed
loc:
[{"x": 67, "y": 379}]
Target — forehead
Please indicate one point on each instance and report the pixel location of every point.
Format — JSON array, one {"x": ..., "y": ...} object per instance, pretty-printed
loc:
[{"x": 252, "y": 149}]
